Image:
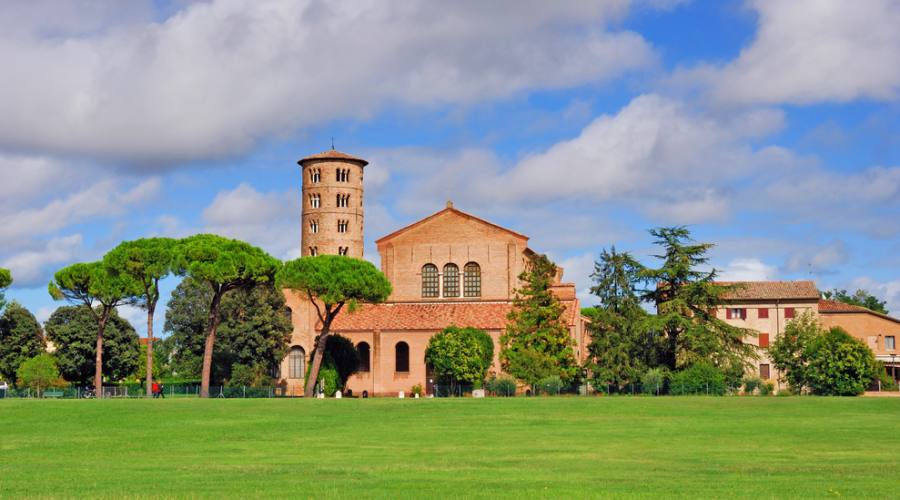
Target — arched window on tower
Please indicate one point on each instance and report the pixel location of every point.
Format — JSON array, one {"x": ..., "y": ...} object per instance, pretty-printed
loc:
[
  {"x": 343, "y": 200},
  {"x": 451, "y": 280},
  {"x": 315, "y": 175},
  {"x": 314, "y": 226},
  {"x": 472, "y": 280},
  {"x": 343, "y": 250},
  {"x": 364, "y": 356},
  {"x": 314, "y": 201},
  {"x": 343, "y": 225},
  {"x": 430, "y": 281},
  {"x": 401, "y": 355},
  {"x": 297, "y": 363},
  {"x": 313, "y": 251}
]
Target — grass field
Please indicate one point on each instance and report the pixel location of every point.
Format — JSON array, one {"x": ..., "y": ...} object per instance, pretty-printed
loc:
[{"x": 548, "y": 447}]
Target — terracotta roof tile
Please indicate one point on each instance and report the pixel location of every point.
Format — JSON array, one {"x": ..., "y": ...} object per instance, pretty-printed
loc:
[
  {"x": 771, "y": 290},
  {"x": 432, "y": 316},
  {"x": 332, "y": 155},
  {"x": 837, "y": 306}
]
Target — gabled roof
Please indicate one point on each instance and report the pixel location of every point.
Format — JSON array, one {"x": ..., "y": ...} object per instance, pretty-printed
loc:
[
  {"x": 771, "y": 290},
  {"x": 332, "y": 155},
  {"x": 837, "y": 307},
  {"x": 448, "y": 210}
]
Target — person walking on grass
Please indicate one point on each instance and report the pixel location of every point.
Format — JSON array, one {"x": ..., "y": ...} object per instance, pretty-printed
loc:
[
  {"x": 155, "y": 389},
  {"x": 162, "y": 389}
]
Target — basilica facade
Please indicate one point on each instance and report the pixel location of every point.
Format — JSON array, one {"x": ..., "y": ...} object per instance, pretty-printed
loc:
[{"x": 450, "y": 268}]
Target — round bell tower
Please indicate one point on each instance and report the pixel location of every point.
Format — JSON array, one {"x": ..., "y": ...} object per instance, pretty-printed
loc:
[{"x": 332, "y": 204}]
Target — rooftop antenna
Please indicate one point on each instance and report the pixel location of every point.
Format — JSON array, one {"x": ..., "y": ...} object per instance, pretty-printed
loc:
[{"x": 332, "y": 143}]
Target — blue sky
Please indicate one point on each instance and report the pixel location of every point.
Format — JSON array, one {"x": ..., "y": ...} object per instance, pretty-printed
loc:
[{"x": 771, "y": 128}]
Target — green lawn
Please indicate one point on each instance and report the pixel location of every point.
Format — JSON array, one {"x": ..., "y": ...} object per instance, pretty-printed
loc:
[{"x": 548, "y": 447}]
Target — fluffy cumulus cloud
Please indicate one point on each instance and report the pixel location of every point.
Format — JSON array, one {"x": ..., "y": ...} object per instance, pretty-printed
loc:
[
  {"x": 808, "y": 51},
  {"x": 33, "y": 266},
  {"x": 215, "y": 77},
  {"x": 818, "y": 260},
  {"x": 748, "y": 269}
]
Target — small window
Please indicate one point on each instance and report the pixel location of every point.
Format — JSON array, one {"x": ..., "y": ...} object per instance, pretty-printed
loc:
[
  {"x": 315, "y": 175},
  {"x": 342, "y": 175},
  {"x": 890, "y": 343},
  {"x": 364, "y": 363},
  {"x": 342, "y": 226},
  {"x": 430, "y": 281},
  {"x": 764, "y": 340},
  {"x": 472, "y": 280},
  {"x": 315, "y": 201},
  {"x": 297, "y": 363},
  {"x": 313, "y": 251},
  {"x": 343, "y": 200},
  {"x": 401, "y": 355},
  {"x": 451, "y": 280},
  {"x": 764, "y": 371},
  {"x": 763, "y": 313},
  {"x": 736, "y": 313},
  {"x": 314, "y": 226},
  {"x": 789, "y": 312},
  {"x": 343, "y": 250}
]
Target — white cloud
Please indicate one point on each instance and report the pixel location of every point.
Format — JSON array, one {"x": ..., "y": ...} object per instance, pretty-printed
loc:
[
  {"x": 216, "y": 77},
  {"x": 32, "y": 267},
  {"x": 748, "y": 269},
  {"x": 808, "y": 51},
  {"x": 885, "y": 290},
  {"x": 823, "y": 259}
]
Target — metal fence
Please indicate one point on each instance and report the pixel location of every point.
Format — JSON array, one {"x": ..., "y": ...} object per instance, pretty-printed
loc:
[{"x": 137, "y": 392}]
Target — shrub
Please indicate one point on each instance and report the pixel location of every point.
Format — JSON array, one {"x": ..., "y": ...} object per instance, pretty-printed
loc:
[
  {"x": 654, "y": 381},
  {"x": 344, "y": 357},
  {"x": 767, "y": 388},
  {"x": 329, "y": 378},
  {"x": 751, "y": 384},
  {"x": 249, "y": 376},
  {"x": 551, "y": 385},
  {"x": 699, "y": 378},
  {"x": 460, "y": 355},
  {"x": 839, "y": 365},
  {"x": 887, "y": 382},
  {"x": 39, "y": 373},
  {"x": 417, "y": 390},
  {"x": 502, "y": 386}
]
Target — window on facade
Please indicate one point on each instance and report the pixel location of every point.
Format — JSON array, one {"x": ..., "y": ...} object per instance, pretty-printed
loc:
[
  {"x": 430, "y": 281},
  {"x": 472, "y": 280},
  {"x": 343, "y": 250},
  {"x": 343, "y": 200},
  {"x": 296, "y": 363},
  {"x": 890, "y": 343},
  {"x": 451, "y": 280},
  {"x": 315, "y": 175},
  {"x": 315, "y": 201},
  {"x": 764, "y": 371},
  {"x": 789, "y": 312},
  {"x": 363, "y": 349},
  {"x": 736, "y": 313},
  {"x": 763, "y": 313},
  {"x": 342, "y": 175},
  {"x": 764, "y": 340},
  {"x": 313, "y": 251},
  {"x": 342, "y": 226},
  {"x": 314, "y": 226},
  {"x": 401, "y": 355}
]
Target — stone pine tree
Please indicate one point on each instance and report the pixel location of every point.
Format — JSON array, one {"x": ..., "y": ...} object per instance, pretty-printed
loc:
[
  {"x": 21, "y": 338},
  {"x": 101, "y": 291},
  {"x": 536, "y": 343},
  {"x": 621, "y": 348},
  {"x": 147, "y": 261},
  {"x": 224, "y": 265},
  {"x": 5, "y": 281},
  {"x": 330, "y": 282},
  {"x": 686, "y": 298}
]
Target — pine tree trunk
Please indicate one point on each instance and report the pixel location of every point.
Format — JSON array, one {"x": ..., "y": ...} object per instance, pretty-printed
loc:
[
  {"x": 150, "y": 351},
  {"x": 210, "y": 342},
  {"x": 98, "y": 369},
  {"x": 317, "y": 362}
]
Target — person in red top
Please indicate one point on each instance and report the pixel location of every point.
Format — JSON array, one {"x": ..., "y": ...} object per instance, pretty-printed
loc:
[{"x": 155, "y": 389}]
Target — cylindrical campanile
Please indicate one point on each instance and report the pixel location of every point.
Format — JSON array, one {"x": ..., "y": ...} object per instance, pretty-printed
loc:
[{"x": 332, "y": 204}]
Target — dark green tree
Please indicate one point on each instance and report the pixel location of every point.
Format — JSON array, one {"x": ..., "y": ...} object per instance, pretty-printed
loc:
[
  {"x": 460, "y": 355},
  {"x": 254, "y": 329},
  {"x": 536, "y": 334},
  {"x": 621, "y": 346},
  {"x": 73, "y": 330},
  {"x": 860, "y": 298},
  {"x": 147, "y": 261},
  {"x": 21, "y": 338},
  {"x": 839, "y": 365},
  {"x": 223, "y": 265},
  {"x": 343, "y": 355},
  {"x": 91, "y": 285},
  {"x": 5, "y": 281},
  {"x": 330, "y": 282},
  {"x": 685, "y": 297}
]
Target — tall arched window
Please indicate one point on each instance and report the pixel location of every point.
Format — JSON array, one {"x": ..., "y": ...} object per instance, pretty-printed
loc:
[
  {"x": 472, "y": 280},
  {"x": 363, "y": 349},
  {"x": 430, "y": 281},
  {"x": 401, "y": 355},
  {"x": 451, "y": 280},
  {"x": 297, "y": 363}
]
